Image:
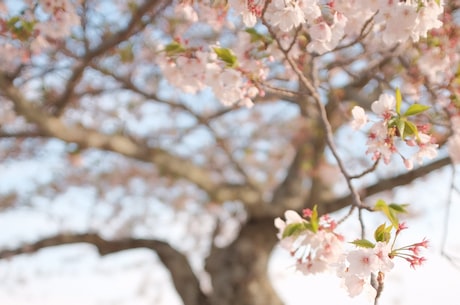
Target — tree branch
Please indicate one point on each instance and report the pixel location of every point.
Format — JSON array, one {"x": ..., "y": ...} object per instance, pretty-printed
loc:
[
  {"x": 185, "y": 281},
  {"x": 22, "y": 134},
  {"x": 135, "y": 25},
  {"x": 167, "y": 163},
  {"x": 384, "y": 185}
]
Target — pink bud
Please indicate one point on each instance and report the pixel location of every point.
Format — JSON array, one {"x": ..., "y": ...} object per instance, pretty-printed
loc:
[
  {"x": 307, "y": 213},
  {"x": 408, "y": 164}
]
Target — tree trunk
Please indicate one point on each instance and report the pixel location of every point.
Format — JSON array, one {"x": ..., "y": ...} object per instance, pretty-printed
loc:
[{"x": 239, "y": 272}]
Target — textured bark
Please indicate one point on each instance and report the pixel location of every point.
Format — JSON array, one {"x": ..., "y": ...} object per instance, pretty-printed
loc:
[{"x": 239, "y": 271}]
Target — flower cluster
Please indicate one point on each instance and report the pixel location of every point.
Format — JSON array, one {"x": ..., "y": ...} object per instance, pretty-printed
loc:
[
  {"x": 393, "y": 125},
  {"x": 39, "y": 31},
  {"x": 315, "y": 245},
  {"x": 394, "y": 21},
  {"x": 193, "y": 69}
]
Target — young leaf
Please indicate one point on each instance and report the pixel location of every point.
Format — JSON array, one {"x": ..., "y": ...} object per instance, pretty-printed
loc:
[
  {"x": 308, "y": 226},
  {"x": 398, "y": 101},
  {"x": 293, "y": 229},
  {"x": 363, "y": 243},
  {"x": 416, "y": 109},
  {"x": 398, "y": 208},
  {"x": 382, "y": 206},
  {"x": 256, "y": 36},
  {"x": 226, "y": 56},
  {"x": 401, "y": 125},
  {"x": 410, "y": 129},
  {"x": 314, "y": 219},
  {"x": 382, "y": 233},
  {"x": 174, "y": 48}
]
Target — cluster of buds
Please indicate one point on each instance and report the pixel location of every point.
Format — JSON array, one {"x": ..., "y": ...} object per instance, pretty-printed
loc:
[{"x": 411, "y": 253}]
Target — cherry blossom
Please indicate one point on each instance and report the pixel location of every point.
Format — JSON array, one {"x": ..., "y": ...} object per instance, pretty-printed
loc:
[
  {"x": 384, "y": 106},
  {"x": 427, "y": 149},
  {"x": 325, "y": 37},
  {"x": 285, "y": 14},
  {"x": 248, "y": 15},
  {"x": 362, "y": 262},
  {"x": 359, "y": 117}
]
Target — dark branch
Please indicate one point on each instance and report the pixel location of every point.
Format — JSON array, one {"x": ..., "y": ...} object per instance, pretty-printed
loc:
[
  {"x": 184, "y": 279},
  {"x": 22, "y": 134},
  {"x": 386, "y": 184}
]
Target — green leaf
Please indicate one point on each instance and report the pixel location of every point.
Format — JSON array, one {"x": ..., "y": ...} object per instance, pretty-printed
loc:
[
  {"x": 398, "y": 208},
  {"x": 314, "y": 221},
  {"x": 398, "y": 101},
  {"x": 308, "y": 226},
  {"x": 410, "y": 129},
  {"x": 11, "y": 23},
  {"x": 226, "y": 56},
  {"x": 382, "y": 233},
  {"x": 174, "y": 48},
  {"x": 382, "y": 206},
  {"x": 126, "y": 53},
  {"x": 363, "y": 243},
  {"x": 21, "y": 28},
  {"x": 293, "y": 229},
  {"x": 256, "y": 36},
  {"x": 401, "y": 125},
  {"x": 416, "y": 109}
]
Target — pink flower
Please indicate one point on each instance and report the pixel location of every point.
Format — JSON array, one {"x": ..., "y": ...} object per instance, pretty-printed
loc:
[
  {"x": 359, "y": 118},
  {"x": 426, "y": 148},
  {"x": 363, "y": 262},
  {"x": 384, "y": 106},
  {"x": 354, "y": 285},
  {"x": 312, "y": 266},
  {"x": 408, "y": 163},
  {"x": 286, "y": 15},
  {"x": 291, "y": 217},
  {"x": 382, "y": 251}
]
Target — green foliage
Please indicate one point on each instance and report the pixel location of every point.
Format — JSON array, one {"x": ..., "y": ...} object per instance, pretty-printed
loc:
[
  {"x": 174, "y": 48},
  {"x": 126, "y": 53},
  {"x": 298, "y": 227},
  {"x": 226, "y": 56},
  {"x": 363, "y": 243},
  {"x": 383, "y": 233},
  {"x": 293, "y": 229},
  {"x": 398, "y": 208},
  {"x": 390, "y": 210},
  {"x": 398, "y": 101},
  {"x": 314, "y": 220},
  {"x": 405, "y": 127},
  {"x": 416, "y": 109},
  {"x": 21, "y": 28},
  {"x": 256, "y": 36},
  {"x": 382, "y": 206},
  {"x": 410, "y": 129}
]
